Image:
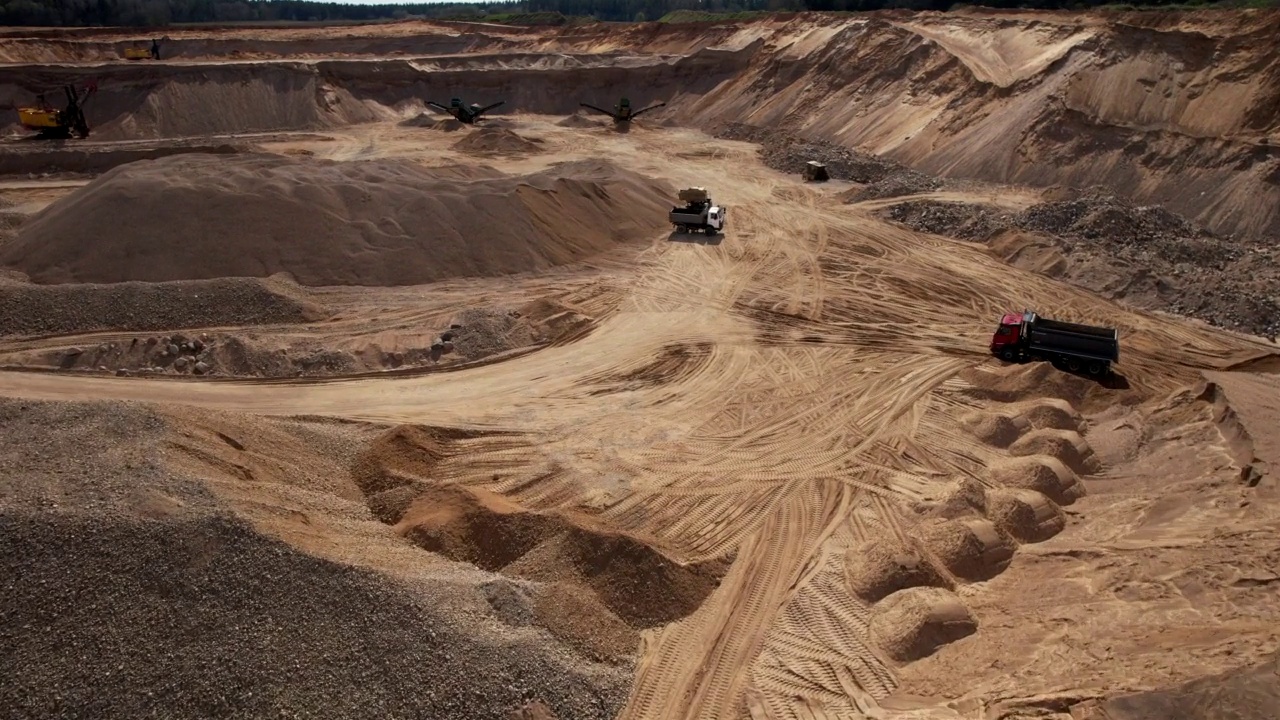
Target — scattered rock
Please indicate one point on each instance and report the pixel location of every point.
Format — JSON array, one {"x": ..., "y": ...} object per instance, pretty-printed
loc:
[{"x": 201, "y": 368}]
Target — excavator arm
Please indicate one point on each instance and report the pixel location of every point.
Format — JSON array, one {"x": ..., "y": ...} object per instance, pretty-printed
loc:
[
  {"x": 487, "y": 108},
  {"x": 610, "y": 113},
  {"x": 651, "y": 107},
  {"x": 440, "y": 107}
]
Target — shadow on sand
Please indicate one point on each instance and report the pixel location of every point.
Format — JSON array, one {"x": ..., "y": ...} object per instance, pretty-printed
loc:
[{"x": 696, "y": 238}]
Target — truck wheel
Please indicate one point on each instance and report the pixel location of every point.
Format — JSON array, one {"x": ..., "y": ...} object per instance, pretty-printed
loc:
[
  {"x": 1073, "y": 365},
  {"x": 1008, "y": 355},
  {"x": 1095, "y": 368},
  {"x": 680, "y": 229}
]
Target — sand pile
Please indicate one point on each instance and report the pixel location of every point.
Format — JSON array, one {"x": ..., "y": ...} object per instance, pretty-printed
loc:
[
  {"x": 112, "y": 560},
  {"x": 879, "y": 568},
  {"x": 995, "y": 429},
  {"x": 497, "y": 141},
  {"x": 1065, "y": 445},
  {"x": 639, "y": 585},
  {"x": 914, "y": 623},
  {"x": 972, "y": 548},
  {"x": 27, "y": 309},
  {"x": 331, "y": 223},
  {"x": 1026, "y": 515},
  {"x": 473, "y": 525},
  {"x": 1042, "y": 473},
  {"x": 580, "y": 119},
  {"x": 422, "y": 120}
]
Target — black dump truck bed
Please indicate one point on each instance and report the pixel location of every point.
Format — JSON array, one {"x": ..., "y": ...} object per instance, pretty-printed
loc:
[{"x": 1073, "y": 339}]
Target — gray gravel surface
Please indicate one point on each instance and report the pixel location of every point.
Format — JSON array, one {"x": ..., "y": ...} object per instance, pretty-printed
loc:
[
  {"x": 27, "y": 309},
  {"x": 786, "y": 152},
  {"x": 1227, "y": 281},
  {"x": 127, "y": 591}
]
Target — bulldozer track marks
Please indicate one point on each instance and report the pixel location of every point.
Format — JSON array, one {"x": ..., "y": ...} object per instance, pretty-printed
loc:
[{"x": 780, "y": 398}]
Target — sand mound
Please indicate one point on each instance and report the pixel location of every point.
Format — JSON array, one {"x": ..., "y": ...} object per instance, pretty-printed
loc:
[
  {"x": 422, "y": 120},
  {"x": 582, "y": 622},
  {"x": 997, "y": 430},
  {"x": 403, "y": 455},
  {"x": 385, "y": 222},
  {"x": 1025, "y": 514},
  {"x": 135, "y": 306},
  {"x": 1019, "y": 383},
  {"x": 1042, "y": 473},
  {"x": 579, "y": 120},
  {"x": 636, "y": 583},
  {"x": 1052, "y": 413},
  {"x": 473, "y": 525},
  {"x": 879, "y": 568},
  {"x": 493, "y": 140},
  {"x": 1065, "y": 445},
  {"x": 912, "y": 624},
  {"x": 449, "y": 125},
  {"x": 972, "y": 549},
  {"x": 107, "y": 547}
]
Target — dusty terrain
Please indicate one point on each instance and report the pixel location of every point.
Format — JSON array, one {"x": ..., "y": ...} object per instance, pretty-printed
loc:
[{"x": 320, "y": 404}]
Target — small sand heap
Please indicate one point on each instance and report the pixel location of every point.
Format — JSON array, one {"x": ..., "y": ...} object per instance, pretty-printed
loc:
[
  {"x": 879, "y": 568},
  {"x": 913, "y": 623},
  {"x": 1025, "y": 514},
  {"x": 996, "y": 430},
  {"x": 492, "y": 140},
  {"x": 972, "y": 548},
  {"x": 1042, "y": 473},
  {"x": 1066, "y": 445},
  {"x": 580, "y": 119}
]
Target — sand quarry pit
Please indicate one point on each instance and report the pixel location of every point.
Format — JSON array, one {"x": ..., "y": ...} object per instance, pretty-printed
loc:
[{"x": 346, "y": 409}]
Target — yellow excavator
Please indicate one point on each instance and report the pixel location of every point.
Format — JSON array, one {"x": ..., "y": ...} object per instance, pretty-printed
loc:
[
  {"x": 52, "y": 123},
  {"x": 141, "y": 53}
]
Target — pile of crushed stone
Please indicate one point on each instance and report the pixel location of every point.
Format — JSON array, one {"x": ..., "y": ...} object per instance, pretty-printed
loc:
[
  {"x": 1145, "y": 255},
  {"x": 786, "y": 152},
  {"x": 27, "y": 309},
  {"x": 130, "y": 590}
]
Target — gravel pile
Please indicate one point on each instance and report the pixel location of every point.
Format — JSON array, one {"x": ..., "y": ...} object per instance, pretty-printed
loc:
[
  {"x": 788, "y": 153},
  {"x": 957, "y": 220},
  {"x": 1146, "y": 255},
  {"x": 27, "y": 309},
  {"x": 127, "y": 592},
  {"x": 485, "y": 331}
]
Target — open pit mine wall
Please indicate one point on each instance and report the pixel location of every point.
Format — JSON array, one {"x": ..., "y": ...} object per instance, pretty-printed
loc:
[
  {"x": 166, "y": 101},
  {"x": 1180, "y": 109},
  {"x": 1169, "y": 117}
]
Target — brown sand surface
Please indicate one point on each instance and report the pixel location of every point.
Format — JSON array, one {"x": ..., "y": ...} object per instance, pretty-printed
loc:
[{"x": 504, "y": 447}]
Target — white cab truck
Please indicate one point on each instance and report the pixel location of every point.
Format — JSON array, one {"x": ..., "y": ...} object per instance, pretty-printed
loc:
[{"x": 698, "y": 213}]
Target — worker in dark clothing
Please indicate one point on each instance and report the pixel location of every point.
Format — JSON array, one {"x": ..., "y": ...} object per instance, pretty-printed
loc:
[{"x": 155, "y": 49}]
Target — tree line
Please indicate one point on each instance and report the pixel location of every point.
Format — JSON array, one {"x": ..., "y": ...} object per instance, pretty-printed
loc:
[{"x": 161, "y": 13}]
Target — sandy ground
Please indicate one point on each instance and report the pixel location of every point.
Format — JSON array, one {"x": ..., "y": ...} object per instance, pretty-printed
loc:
[{"x": 769, "y": 474}]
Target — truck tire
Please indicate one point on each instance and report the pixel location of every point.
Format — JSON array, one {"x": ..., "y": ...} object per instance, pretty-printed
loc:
[
  {"x": 1073, "y": 364},
  {"x": 1008, "y": 355},
  {"x": 1095, "y": 368},
  {"x": 681, "y": 229}
]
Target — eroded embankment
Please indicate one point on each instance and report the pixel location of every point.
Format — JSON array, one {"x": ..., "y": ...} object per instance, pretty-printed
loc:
[
  {"x": 150, "y": 101},
  {"x": 1178, "y": 110}
]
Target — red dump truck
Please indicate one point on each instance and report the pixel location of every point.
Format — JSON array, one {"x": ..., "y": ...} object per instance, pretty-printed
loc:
[{"x": 1069, "y": 346}]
